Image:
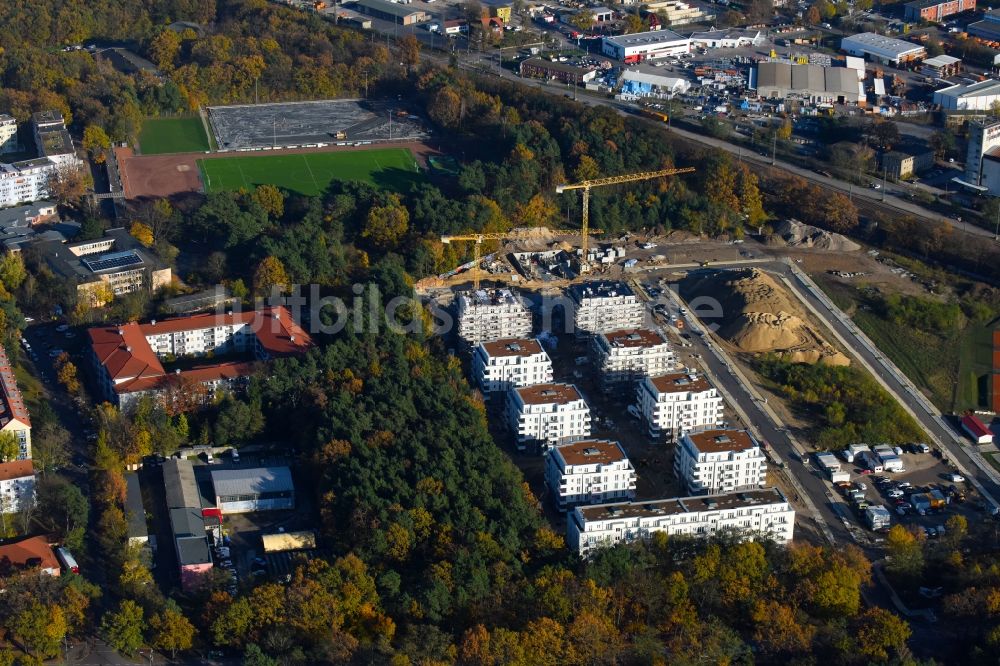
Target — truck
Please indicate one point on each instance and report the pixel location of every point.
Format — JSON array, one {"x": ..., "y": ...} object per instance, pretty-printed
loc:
[
  {"x": 878, "y": 517},
  {"x": 892, "y": 463},
  {"x": 839, "y": 477},
  {"x": 827, "y": 461},
  {"x": 67, "y": 561}
]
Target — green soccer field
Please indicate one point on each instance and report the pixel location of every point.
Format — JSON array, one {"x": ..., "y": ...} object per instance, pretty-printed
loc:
[
  {"x": 173, "y": 135},
  {"x": 311, "y": 173}
]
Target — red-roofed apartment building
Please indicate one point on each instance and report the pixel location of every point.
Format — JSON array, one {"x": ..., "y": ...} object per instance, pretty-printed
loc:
[
  {"x": 127, "y": 358},
  {"x": 13, "y": 413},
  {"x": 28, "y": 554},
  {"x": 17, "y": 485}
]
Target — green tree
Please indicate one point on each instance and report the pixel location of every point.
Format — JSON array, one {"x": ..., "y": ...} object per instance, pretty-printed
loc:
[
  {"x": 40, "y": 629},
  {"x": 95, "y": 142},
  {"x": 123, "y": 628},
  {"x": 904, "y": 553},
  {"x": 583, "y": 20},
  {"x": 171, "y": 631},
  {"x": 50, "y": 447},
  {"x": 12, "y": 270},
  {"x": 880, "y": 631},
  {"x": 10, "y": 447},
  {"x": 254, "y": 656},
  {"x": 386, "y": 225}
]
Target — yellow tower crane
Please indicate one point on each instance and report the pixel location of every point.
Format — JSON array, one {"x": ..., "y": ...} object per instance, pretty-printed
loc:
[
  {"x": 610, "y": 180},
  {"x": 509, "y": 235}
]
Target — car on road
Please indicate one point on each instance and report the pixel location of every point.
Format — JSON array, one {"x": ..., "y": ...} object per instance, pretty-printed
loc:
[{"x": 955, "y": 477}]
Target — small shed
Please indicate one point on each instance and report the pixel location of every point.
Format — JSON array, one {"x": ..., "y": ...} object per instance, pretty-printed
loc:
[{"x": 976, "y": 429}]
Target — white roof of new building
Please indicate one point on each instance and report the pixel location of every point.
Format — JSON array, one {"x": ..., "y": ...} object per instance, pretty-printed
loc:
[
  {"x": 646, "y": 38},
  {"x": 987, "y": 88},
  {"x": 653, "y": 79},
  {"x": 254, "y": 481},
  {"x": 880, "y": 45},
  {"x": 942, "y": 61},
  {"x": 880, "y": 87},
  {"x": 854, "y": 62}
]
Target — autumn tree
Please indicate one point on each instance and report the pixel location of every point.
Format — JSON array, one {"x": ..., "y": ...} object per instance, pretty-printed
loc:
[
  {"x": 634, "y": 23},
  {"x": 386, "y": 224},
  {"x": 40, "y": 629},
  {"x": 583, "y": 20},
  {"x": 123, "y": 628},
  {"x": 270, "y": 274},
  {"x": 12, "y": 270},
  {"x": 409, "y": 51},
  {"x": 68, "y": 183},
  {"x": 95, "y": 142},
  {"x": 270, "y": 199},
  {"x": 171, "y": 631},
  {"x": 66, "y": 374},
  {"x": 446, "y": 107},
  {"x": 142, "y": 233},
  {"x": 10, "y": 447},
  {"x": 164, "y": 49},
  {"x": 904, "y": 553},
  {"x": 879, "y": 632}
]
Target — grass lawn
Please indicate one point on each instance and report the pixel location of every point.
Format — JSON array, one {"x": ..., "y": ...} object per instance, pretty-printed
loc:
[
  {"x": 173, "y": 135},
  {"x": 310, "y": 173}
]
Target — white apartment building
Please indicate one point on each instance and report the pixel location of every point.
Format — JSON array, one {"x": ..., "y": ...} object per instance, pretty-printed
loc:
[
  {"x": 17, "y": 485},
  {"x": 623, "y": 357},
  {"x": 8, "y": 134},
  {"x": 590, "y": 471},
  {"x": 713, "y": 462},
  {"x": 27, "y": 181},
  {"x": 547, "y": 414},
  {"x": 491, "y": 314},
  {"x": 676, "y": 403},
  {"x": 501, "y": 365},
  {"x": 14, "y": 417},
  {"x": 753, "y": 514},
  {"x": 603, "y": 306}
]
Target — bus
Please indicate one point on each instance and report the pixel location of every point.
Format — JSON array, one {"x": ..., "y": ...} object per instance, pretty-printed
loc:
[{"x": 67, "y": 560}]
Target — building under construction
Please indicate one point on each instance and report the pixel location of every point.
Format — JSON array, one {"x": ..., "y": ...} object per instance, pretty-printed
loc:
[
  {"x": 603, "y": 306},
  {"x": 485, "y": 315}
]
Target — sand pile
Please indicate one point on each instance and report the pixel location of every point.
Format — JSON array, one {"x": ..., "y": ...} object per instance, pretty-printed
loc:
[
  {"x": 758, "y": 316},
  {"x": 797, "y": 234}
]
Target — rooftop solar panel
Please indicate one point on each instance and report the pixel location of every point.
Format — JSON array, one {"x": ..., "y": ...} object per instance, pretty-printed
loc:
[{"x": 113, "y": 260}]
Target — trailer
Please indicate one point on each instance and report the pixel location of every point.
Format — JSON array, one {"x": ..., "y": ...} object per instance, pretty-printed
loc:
[
  {"x": 838, "y": 477},
  {"x": 878, "y": 517},
  {"x": 67, "y": 560}
]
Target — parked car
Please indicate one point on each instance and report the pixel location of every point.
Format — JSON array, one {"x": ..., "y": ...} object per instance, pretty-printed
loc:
[
  {"x": 955, "y": 478},
  {"x": 895, "y": 494}
]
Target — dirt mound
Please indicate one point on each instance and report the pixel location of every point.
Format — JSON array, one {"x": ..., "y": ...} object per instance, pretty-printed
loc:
[
  {"x": 797, "y": 234},
  {"x": 758, "y": 316}
]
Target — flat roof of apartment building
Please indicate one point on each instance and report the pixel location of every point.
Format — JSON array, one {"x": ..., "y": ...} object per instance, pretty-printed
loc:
[
  {"x": 680, "y": 382},
  {"x": 591, "y": 452},
  {"x": 488, "y": 297},
  {"x": 679, "y": 505},
  {"x": 598, "y": 289},
  {"x": 545, "y": 394},
  {"x": 718, "y": 441},
  {"x": 512, "y": 347},
  {"x": 634, "y": 337}
]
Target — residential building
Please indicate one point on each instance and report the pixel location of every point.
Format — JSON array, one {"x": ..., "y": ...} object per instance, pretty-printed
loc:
[
  {"x": 988, "y": 29},
  {"x": 982, "y": 158},
  {"x": 813, "y": 83},
  {"x": 26, "y": 181},
  {"x": 676, "y": 403},
  {"x": 604, "y": 305},
  {"x": 52, "y": 138},
  {"x": 390, "y": 11},
  {"x": 719, "y": 461},
  {"x": 14, "y": 417},
  {"x": 750, "y": 515},
  {"x": 541, "y": 68},
  {"x": 501, "y": 365},
  {"x": 39, "y": 212},
  {"x": 500, "y": 9},
  {"x": 641, "y": 46},
  {"x": 976, "y": 429},
  {"x": 882, "y": 49},
  {"x": 8, "y": 134},
  {"x": 727, "y": 39},
  {"x": 135, "y": 511},
  {"x": 127, "y": 359},
  {"x": 254, "y": 489},
  {"x": 112, "y": 265},
  {"x": 624, "y": 357},
  {"x": 677, "y": 13},
  {"x": 126, "y": 61},
  {"x": 978, "y": 96},
  {"x": 899, "y": 166},
  {"x": 590, "y": 471},
  {"x": 935, "y": 10},
  {"x": 491, "y": 314},
  {"x": 547, "y": 414},
  {"x": 17, "y": 486},
  {"x": 31, "y": 553},
  {"x": 941, "y": 66}
]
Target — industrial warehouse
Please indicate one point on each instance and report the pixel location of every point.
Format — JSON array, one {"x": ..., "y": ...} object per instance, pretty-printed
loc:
[{"x": 815, "y": 83}]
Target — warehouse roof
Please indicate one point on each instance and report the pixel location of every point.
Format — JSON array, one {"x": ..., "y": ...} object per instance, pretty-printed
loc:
[
  {"x": 806, "y": 78},
  {"x": 181, "y": 487},
  {"x": 390, "y": 8},
  {"x": 254, "y": 481},
  {"x": 942, "y": 61},
  {"x": 645, "y": 38},
  {"x": 880, "y": 45},
  {"x": 133, "y": 505},
  {"x": 986, "y": 88}
]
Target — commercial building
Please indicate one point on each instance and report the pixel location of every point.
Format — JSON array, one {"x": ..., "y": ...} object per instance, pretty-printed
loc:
[
  {"x": 112, "y": 265},
  {"x": 882, "y": 49},
  {"x": 968, "y": 96},
  {"x": 641, "y": 46},
  {"x": 676, "y": 403},
  {"x": 976, "y": 429},
  {"x": 547, "y": 414},
  {"x": 603, "y": 306},
  {"x": 727, "y": 39},
  {"x": 600, "y": 14},
  {"x": 501, "y": 365},
  {"x": 626, "y": 356},
  {"x": 941, "y": 66},
  {"x": 764, "y": 514},
  {"x": 982, "y": 157},
  {"x": 17, "y": 485},
  {"x": 390, "y": 11},
  {"x": 719, "y": 461},
  {"x": 31, "y": 553},
  {"x": 491, "y": 314},
  {"x": 8, "y": 134},
  {"x": 813, "y": 83},
  {"x": 135, "y": 511},
  {"x": 14, "y": 417},
  {"x": 935, "y": 10},
  {"x": 988, "y": 29},
  {"x": 899, "y": 165},
  {"x": 675, "y": 13},
  {"x": 187, "y": 521},
  {"x": 591, "y": 471},
  {"x": 541, "y": 68},
  {"x": 254, "y": 489},
  {"x": 642, "y": 84},
  {"x": 127, "y": 359}
]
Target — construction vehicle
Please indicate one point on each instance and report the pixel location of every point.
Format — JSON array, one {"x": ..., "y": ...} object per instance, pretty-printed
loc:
[
  {"x": 655, "y": 115},
  {"x": 514, "y": 234},
  {"x": 601, "y": 182}
]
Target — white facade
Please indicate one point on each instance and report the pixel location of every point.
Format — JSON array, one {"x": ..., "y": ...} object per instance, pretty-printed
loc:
[
  {"x": 589, "y": 472},
  {"x": 674, "y": 404},
  {"x": 645, "y": 45},
  {"x": 623, "y": 357},
  {"x": 221, "y": 337},
  {"x": 17, "y": 486},
  {"x": 547, "y": 414},
  {"x": 720, "y": 461},
  {"x": 491, "y": 314},
  {"x": 8, "y": 134},
  {"x": 501, "y": 365},
  {"x": 604, "y": 306},
  {"x": 727, "y": 39},
  {"x": 28, "y": 181},
  {"x": 754, "y": 514},
  {"x": 879, "y": 48},
  {"x": 968, "y": 97},
  {"x": 982, "y": 156}
]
